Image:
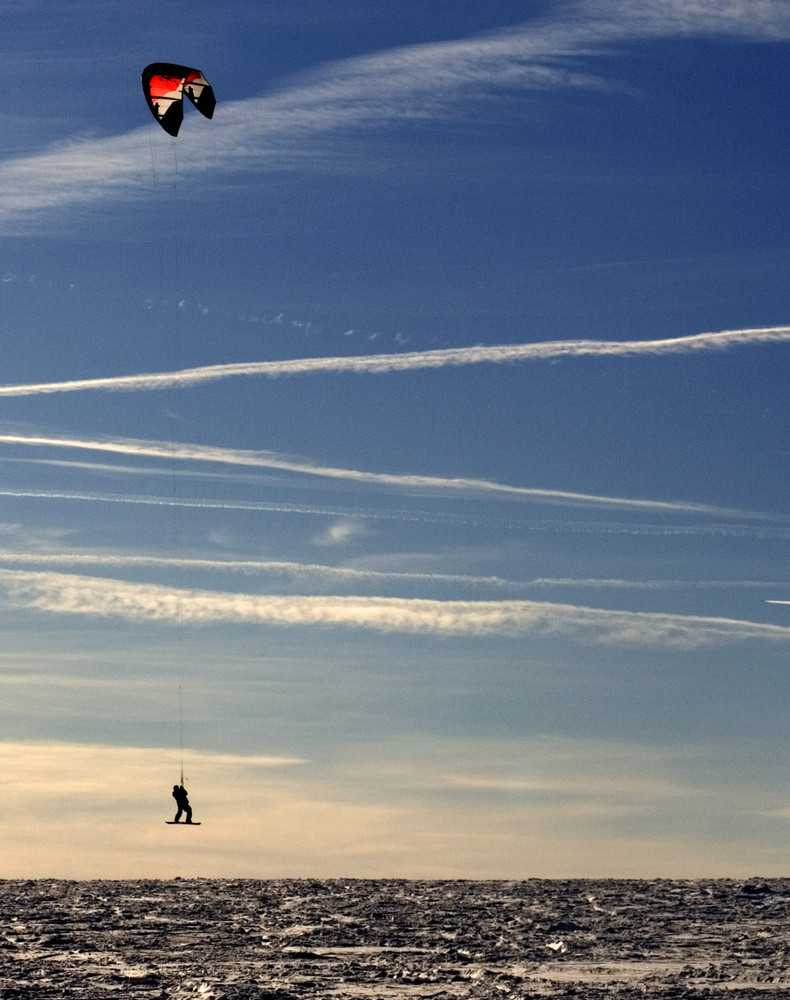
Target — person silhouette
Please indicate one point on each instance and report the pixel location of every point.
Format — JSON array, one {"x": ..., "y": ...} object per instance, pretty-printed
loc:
[{"x": 182, "y": 801}]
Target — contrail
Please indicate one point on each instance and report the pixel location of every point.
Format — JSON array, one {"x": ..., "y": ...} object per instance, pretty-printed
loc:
[
  {"x": 647, "y": 584},
  {"x": 347, "y": 574},
  {"x": 281, "y": 568},
  {"x": 63, "y": 593},
  {"x": 411, "y": 361},
  {"x": 421, "y": 516},
  {"x": 431, "y": 517},
  {"x": 171, "y": 501},
  {"x": 418, "y": 483}
]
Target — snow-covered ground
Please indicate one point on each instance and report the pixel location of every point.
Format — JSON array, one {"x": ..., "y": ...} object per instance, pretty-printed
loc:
[{"x": 289, "y": 938}]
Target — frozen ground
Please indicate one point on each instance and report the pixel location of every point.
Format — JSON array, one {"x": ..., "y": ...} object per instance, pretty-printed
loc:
[{"x": 289, "y": 938}]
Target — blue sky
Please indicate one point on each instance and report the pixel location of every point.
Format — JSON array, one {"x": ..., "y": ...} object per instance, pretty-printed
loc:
[{"x": 421, "y": 419}]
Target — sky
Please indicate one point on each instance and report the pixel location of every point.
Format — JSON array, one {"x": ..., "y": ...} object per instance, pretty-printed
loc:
[{"x": 403, "y": 452}]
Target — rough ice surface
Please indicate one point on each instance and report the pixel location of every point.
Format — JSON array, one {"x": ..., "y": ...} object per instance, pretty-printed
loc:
[{"x": 227, "y": 939}]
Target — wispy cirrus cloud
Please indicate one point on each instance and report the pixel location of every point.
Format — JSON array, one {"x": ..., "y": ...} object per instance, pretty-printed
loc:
[
  {"x": 413, "y": 361},
  {"x": 173, "y": 451},
  {"x": 421, "y": 83},
  {"x": 763, "y": 20},
  {"x": 64, "y": 593}
]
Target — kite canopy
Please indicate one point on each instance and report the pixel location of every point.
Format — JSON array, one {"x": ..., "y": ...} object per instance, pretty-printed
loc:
[{"x": 164, "y": 86}]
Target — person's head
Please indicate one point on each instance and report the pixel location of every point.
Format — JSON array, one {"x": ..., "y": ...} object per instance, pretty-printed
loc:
[{"x": 175, "y": 788}]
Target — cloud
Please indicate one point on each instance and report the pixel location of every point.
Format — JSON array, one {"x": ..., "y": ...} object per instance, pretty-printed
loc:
[
  {"x": 570, "y": 787},
  {"x": 62, "y": 593},
  {"x": 338, "y": 533},
  {"x": 64, "y": 817},
  {"x": 761, "y": 20},
  {"x": 421, "y": 83},
  {"x": 573, "y": 807},
  {"x": 412, "y": 361},
  {"x": 172, "y": 451},
  {"x": 416, "y": 84}
]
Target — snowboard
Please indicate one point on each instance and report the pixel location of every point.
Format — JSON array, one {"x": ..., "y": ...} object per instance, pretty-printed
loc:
[{"x": 172, "y": 822}]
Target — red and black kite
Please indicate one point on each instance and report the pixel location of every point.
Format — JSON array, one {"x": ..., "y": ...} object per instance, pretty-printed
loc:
[{"x": 164, "y": 86}]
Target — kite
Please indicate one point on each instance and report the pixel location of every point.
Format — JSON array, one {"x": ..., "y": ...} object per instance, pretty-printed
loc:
[{"x": 164, "y": 86}]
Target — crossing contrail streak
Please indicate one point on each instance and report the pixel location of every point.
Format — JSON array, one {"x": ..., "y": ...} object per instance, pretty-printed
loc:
[
  {"x": 321, "y": 571},
  {"x": 417, "y": 483},
  {"x": 411, "y": 361},
  {"x": 254, "y": 566},
  {"x": 170, "y": 501}
]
